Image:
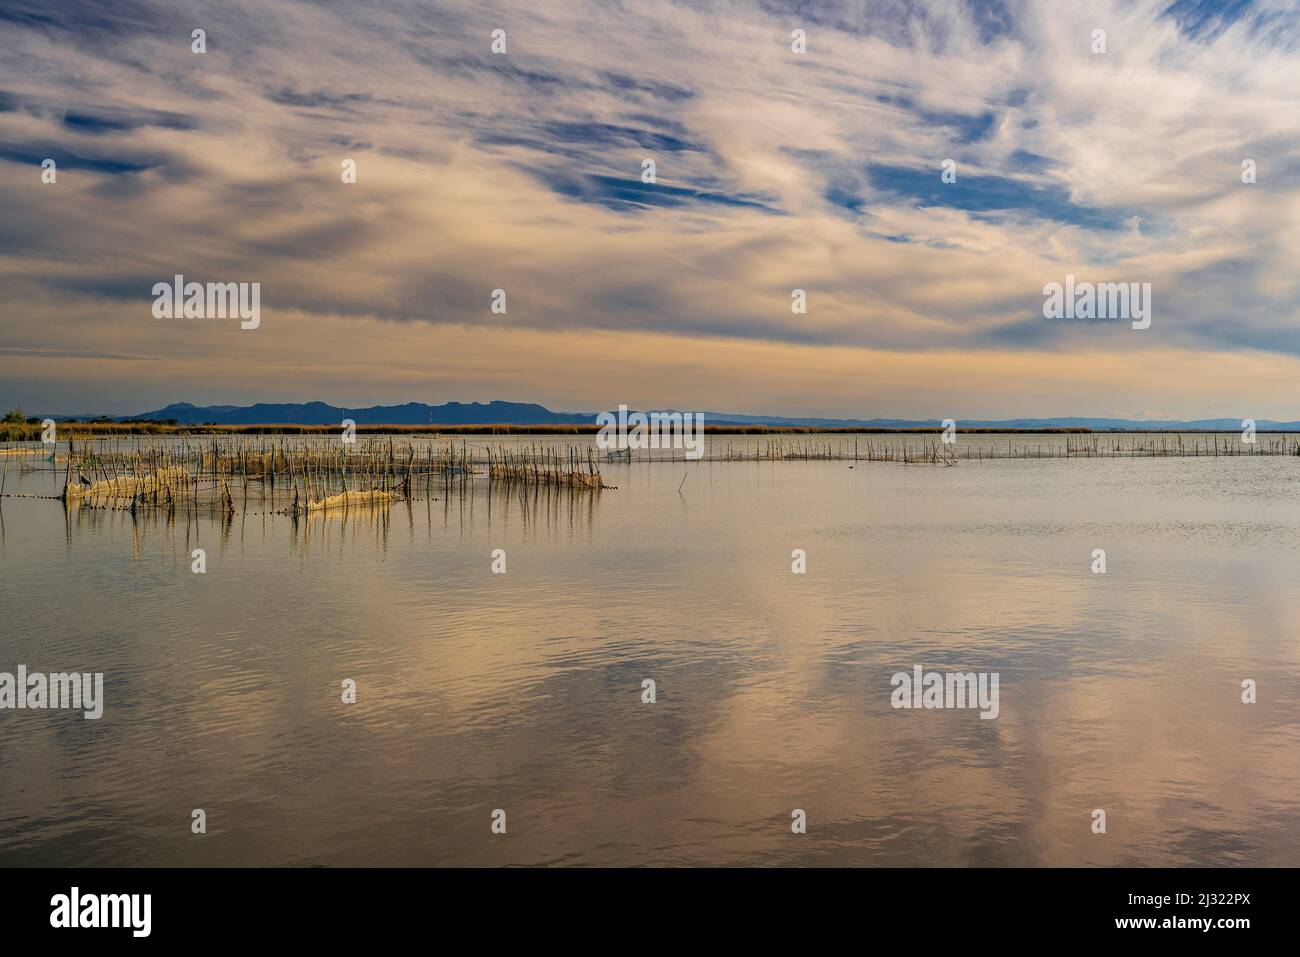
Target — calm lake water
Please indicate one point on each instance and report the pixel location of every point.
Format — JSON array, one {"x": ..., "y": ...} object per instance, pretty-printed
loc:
[{"x": 523, "y": 691}]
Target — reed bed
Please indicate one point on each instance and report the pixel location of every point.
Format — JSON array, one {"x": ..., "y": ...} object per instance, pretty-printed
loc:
[
  {"x": 567, "y": 467},
  {"x": 305, "y": 475},
  {"x": 975, "y": 447},
  {"x": 344, "y": 500},
  {"x": 310, "y": 473},
  {"x": 929, "y": 452},
  {"x": 129, "y": 485}
]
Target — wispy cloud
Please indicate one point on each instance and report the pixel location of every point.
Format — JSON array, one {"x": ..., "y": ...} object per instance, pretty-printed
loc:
[{"x": 522, "y": 171}]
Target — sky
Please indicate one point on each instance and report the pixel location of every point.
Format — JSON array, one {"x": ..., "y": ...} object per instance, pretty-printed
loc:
[{"x": 775, "y": 170}]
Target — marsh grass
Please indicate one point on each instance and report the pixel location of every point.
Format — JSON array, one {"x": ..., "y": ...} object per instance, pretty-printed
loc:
[{"x": 297, "y": 476}]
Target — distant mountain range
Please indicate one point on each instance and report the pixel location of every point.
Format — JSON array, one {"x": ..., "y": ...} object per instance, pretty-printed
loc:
[{"x": 529, "y": 413}]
